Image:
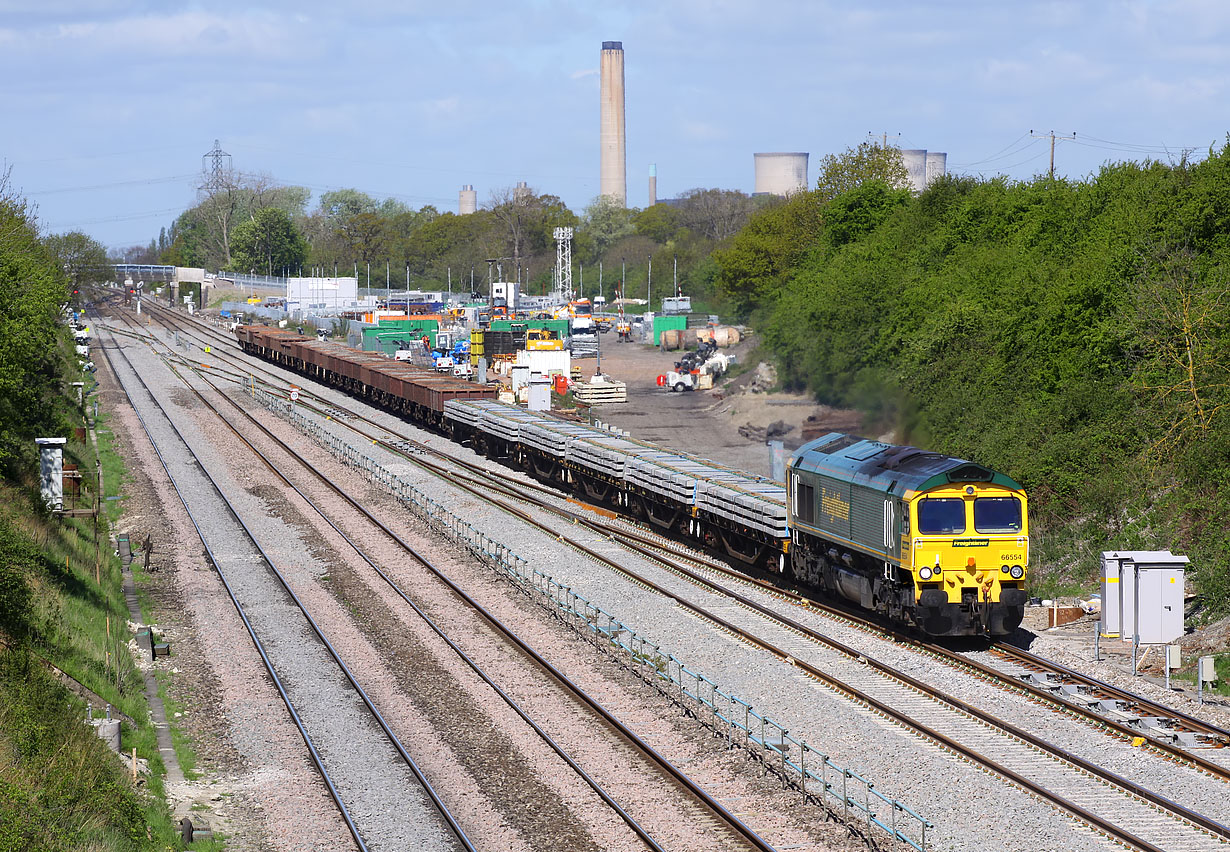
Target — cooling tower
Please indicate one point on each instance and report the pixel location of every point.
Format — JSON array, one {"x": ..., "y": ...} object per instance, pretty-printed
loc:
[
  {"x": 653, "y": 184},
  {"x": 915, "y": 160},
  {"x": 780, "y": 173},
  {"x": 613, "y": 180},
  {"x": 937, "y": 165},
  {"x": 467, "y": 200}
]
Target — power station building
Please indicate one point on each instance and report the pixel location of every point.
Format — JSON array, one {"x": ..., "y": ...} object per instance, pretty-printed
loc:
[
  {"x": 923, "y": 167},
  {"x": 612, "y": 138},
  {"x": 780, "y": 173},
  {"x": 467, "y": 200}
]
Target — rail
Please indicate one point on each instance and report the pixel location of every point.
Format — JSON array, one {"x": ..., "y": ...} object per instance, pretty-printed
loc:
[
  {"x": 1087, "y": 712},
  {"x": 880, "y": 707},
  {"x": 775, "y": 751},
  {"x": 447, "y": 816},
  {"x": 629, "y": 736},
  {"x": 1109, "y": 828}
]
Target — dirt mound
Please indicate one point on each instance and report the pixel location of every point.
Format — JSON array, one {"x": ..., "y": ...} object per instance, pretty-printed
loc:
[{"x": 1211, "y": 639}]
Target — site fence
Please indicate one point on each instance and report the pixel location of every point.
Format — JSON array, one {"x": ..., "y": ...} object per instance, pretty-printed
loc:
[{"x": 843, "y": 793}]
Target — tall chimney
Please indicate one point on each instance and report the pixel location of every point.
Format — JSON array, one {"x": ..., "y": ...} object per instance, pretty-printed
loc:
[
  {"x": 613, "y": 179},
  {"x": 653, "y": 184}
]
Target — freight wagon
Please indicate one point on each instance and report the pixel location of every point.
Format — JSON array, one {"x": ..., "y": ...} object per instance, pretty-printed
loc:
[{"x": 414, "y": 392}]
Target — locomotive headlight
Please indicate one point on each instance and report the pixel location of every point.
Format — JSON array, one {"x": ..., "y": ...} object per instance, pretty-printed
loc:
[
  {"x": 1004, "y": 568},
  {"x": 924, "y": 573},
  {"x": 1017, "y": 572}
]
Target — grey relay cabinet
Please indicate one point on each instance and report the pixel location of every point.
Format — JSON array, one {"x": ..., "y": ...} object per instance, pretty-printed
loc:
[{"x": 1145, "y": 587}]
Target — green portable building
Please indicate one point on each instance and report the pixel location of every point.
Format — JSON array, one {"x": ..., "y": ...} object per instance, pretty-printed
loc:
[
  {"x": 558, "y": 326},
  {"x": 389, "y": 336},
  {"x": 677, "y": 322}
]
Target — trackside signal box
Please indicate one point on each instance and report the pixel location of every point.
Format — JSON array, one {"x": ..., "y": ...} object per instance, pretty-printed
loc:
[{"x": 1142, "y": 591}]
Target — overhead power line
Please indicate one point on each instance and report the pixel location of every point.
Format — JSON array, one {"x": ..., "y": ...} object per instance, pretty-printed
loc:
[
  {"x": 130, "y": 218},
  {"x": 137, "y": 182},
  {"x": 1053, "y": 140},
  {"x": 1009, "y": 150}
]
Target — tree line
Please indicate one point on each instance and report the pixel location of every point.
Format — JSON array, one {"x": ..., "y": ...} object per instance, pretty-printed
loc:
[
  {"x": 1075, "y": 334},
  {"x": 39, "y": 276},
  {"x": 248, "y": 223}
]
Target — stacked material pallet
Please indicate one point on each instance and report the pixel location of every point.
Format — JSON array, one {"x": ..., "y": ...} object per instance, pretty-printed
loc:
[
  {"x": 744, "y": 499},
  {"x": 584, "y": 345},
  {"x": 492, "y": 417},
  {"x": 671, "y": 475},
  {"x": 601, "y": 393},
  {"x": 469, "y": 411}
]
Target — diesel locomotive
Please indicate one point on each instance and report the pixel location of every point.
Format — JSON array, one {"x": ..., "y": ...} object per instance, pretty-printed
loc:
[{"x": 925, "y": 539}]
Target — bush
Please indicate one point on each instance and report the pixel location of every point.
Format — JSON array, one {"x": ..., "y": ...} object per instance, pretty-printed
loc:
[{"x": 61, "y": 788}]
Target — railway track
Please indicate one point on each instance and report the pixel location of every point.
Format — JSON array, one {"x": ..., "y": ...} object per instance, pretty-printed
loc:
[
  {"x": 332, "y": 713},
  {"x": 695, "y": 806},
  {"x": 1177, "y": 735},
  {"x": 1131, "y": 823}
]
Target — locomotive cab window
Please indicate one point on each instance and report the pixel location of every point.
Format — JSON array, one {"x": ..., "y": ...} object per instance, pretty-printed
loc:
[
  {"x": 941, "y": 515},
  {"x": 997, "y": 515},
  {"x": 805, "y": 502}
]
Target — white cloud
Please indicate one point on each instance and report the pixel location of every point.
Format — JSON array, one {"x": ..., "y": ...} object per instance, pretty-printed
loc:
[
  {"x": 193, "y": 35},
  {"x": 702, "y": 131}
]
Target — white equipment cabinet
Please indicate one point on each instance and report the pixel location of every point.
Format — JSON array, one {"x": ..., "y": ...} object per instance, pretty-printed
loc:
[{"x": 1144, "y": 586}]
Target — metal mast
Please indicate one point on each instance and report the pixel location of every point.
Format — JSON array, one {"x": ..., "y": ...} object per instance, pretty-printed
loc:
[
  {"x": 215, "y": 165},
  {"x": 563, "y": 263}
]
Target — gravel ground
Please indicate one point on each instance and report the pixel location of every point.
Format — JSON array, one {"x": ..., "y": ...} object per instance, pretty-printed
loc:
[
  {"x": 829, "y": 723},
  {"x": 353, "y": 603},
  {"x": 931, "y": 781},
  {"x": 225, "y": 787},
  {"x": 387, "y": 623}
]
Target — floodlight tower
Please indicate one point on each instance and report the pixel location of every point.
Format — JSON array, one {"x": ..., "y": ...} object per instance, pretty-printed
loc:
[{"x": 563, "y": 263}]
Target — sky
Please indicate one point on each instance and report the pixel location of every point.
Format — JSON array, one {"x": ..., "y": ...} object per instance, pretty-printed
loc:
[{"x": 108, "y": 107}]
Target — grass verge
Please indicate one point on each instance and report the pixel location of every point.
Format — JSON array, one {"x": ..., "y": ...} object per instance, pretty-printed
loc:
[{"x": 62, "y": 605}]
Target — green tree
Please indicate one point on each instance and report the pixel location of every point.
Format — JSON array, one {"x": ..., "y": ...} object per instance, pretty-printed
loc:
[
  {"x": 528, "y": 220},
  {"x": 340, "y": 204},
  {"x": 752, "y": 269},
  {"x": 32, "y": 288},
  {"x": 82, "y": 258},
  {"x": 716, "y": 213},
  {"x": 269, "y": 242},
  {"x": 840, "y": 173},
  {"x": 362, "y": 237},
  {"x": 661, "y": 223},
  {"x": 604, "y": 222},
  {"x": 860, "y": 211}
]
